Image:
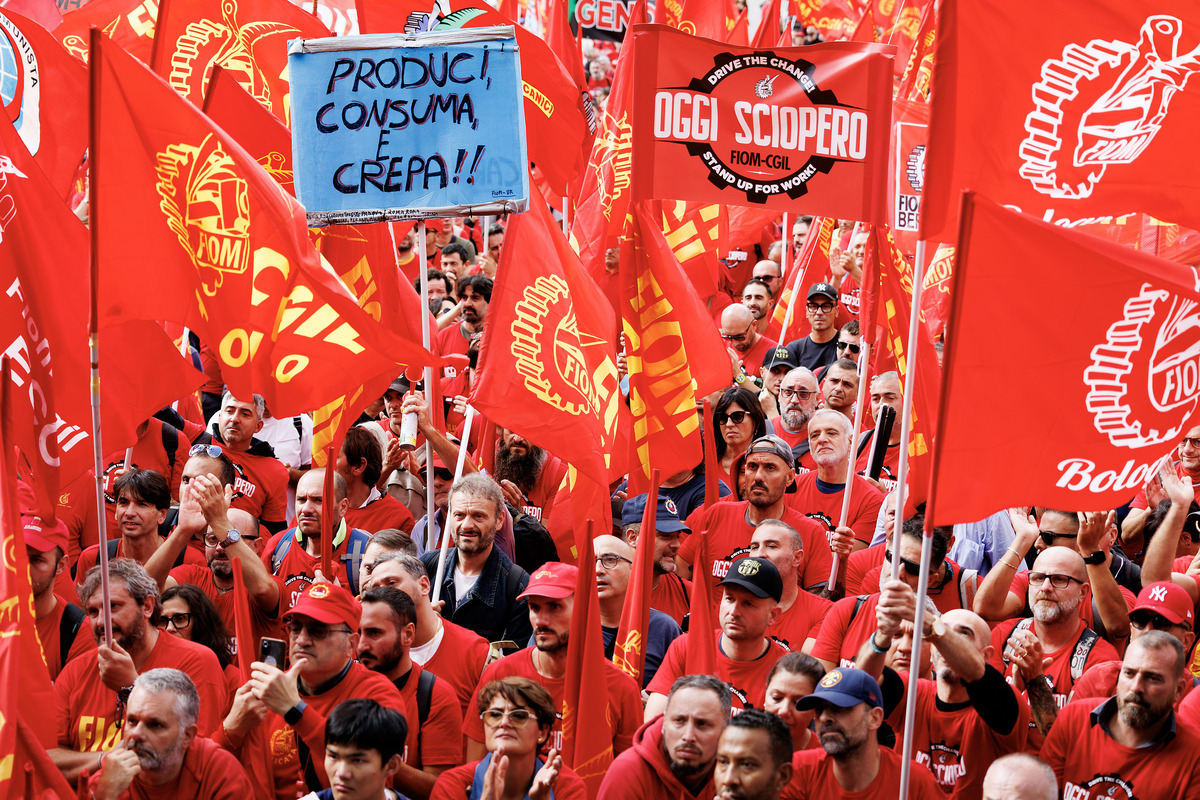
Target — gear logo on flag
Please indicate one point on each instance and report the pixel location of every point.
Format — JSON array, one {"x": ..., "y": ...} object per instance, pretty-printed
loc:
[
  {"x": 616, "y": 155},
  {"x": 1144, "y": 381},
  {"x": 1120, "y": 124},
  {"x": 206, "y": 204},
  {"x": 915, "y": 168},
  {"x": 551, "y": 360}
]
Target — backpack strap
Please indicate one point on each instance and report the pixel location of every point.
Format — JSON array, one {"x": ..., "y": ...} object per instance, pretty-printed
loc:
[
  {"x": 1083, "y": 649},
  {"x": 170, "y": 442},
  {"x": 356, "y": 546},
  {"x": 112, "y": 548},
  {"x": 72, "y": 618},
  {"x": 425, "y": 683},
  {"x": 858, "y": 604},
  {"x": 281, "y": 549}
]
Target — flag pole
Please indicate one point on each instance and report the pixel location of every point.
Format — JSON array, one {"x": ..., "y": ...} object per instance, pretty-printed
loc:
[
  {"x": 787, "y": 252},
  {"x": 910, "y": 368},
  {"x": 94, "y": 47},
  {"x": 429, "y": 393},
  {"x": 183, "y": 351},
  {"x": 444, "y": 549},
  {"x": 327, "y": 504},
  {"x": 855, "y": 437}
]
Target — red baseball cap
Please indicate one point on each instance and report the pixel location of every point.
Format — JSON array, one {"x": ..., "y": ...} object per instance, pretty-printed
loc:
[
  {"x": 1167, "y": 599},
  {"x": 328, "y": 603},
  {"x": 38, "y": 534},
  {"x": 552, "y": 579}
]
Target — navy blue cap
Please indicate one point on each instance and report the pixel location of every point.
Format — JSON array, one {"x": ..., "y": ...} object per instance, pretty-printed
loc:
[
  {"x": 844, "y": 687},
  {"x": 666, "y": 517}
]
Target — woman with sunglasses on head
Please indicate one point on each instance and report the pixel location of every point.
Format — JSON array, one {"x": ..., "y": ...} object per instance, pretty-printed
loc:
[
  {"x": 189, "y": 614},
  {"x": 518, "y": 715},
  {"x": 737, "y": 421}
]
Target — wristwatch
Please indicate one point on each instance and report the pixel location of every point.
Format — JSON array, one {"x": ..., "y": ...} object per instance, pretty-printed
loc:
[
  {"x": 232, "y": 537},
  {"x": 1095, "y": 558},
  {"x": 937, "y": 629},
  {"x": 295, "y": 712}
]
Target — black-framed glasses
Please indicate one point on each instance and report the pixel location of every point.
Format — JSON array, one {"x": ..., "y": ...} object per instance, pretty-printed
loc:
[
  {"x": 737, "y": 337},
  {"x": 1142, "y": 620},
  {"x": 1058, "y": 581},
  {"x": 210, "y": 450},
  {"x": 801, "y": 393},
  {"x": 315, "y": 632},
  {"x": 853, "y": 348},
  {"x": 1048, "y": 537},
  {"x": 736, "y": 417},
  {"x": 826, "y": 306},
  {"x": 611, "y": 560},
  {"x": 494, "y": 717},
  {"x": 180, "y": 621}
]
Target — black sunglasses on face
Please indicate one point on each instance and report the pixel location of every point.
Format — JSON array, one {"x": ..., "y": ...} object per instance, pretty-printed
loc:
[{"x": 737, "y": 417}]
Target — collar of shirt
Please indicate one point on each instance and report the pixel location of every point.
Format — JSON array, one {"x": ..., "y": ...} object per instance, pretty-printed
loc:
[
  {"x": 1102, "y": 713},
  {"x": 338, "y": 537}
]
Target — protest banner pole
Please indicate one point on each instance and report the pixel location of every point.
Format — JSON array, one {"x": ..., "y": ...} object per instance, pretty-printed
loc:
[
  {"x": 444, "y": 548},
  {"x": 429, "y": 393},
  {"x": 327, "y": 503},
  {"x": 566, "y": 225},
  {"x": 94, "y": 339},
  {"x": 787, "y": 252},
  {"x": 855, "y": 437}
]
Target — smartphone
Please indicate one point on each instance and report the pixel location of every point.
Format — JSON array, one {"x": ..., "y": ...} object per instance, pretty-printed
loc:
[{"x": 273, "y": 652}]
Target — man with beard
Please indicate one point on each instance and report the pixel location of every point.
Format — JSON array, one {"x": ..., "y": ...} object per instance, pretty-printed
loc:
[
  {"x": 1055, "y": 637},
  {"x": 849, "y": 713},
  {"x": 527, "y": 474},
  {"x": 672, "y": 756},
  {"x": 760, "y": 299},
  {"x": 669, "y": 593},
  {"x": 798, "y": 398},
  {"x": 970, "y": 715},
  {"x": 227, "y": 533},
  {"x": 90, "y": 695},
  {"x": 160, "y": 754},
  {"x": 474, "y": 294},
  {"x": 481, "y": 586},
  {"x": 434, "y": 743},
  {"x": 1130, "y": 745},
  {"x": 728, "y": 527},
  {"x": 840, "y": 387},
  {"x": 739, "y": 332},
  {"x": 550, "y": 597},
  {"x": 754, "y": 757},
  {"x": 819, "y": 493}
]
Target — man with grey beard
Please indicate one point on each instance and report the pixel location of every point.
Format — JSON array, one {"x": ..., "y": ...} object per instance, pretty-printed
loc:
[
  {"x": 798, "y": 398},
  {"x": 160, "y": 754},
  {"x": 528, "y": 475}
]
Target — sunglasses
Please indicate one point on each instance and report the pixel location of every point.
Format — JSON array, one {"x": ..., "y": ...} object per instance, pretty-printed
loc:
[
  {"x": 737, "y": 417},
  {"x": 1048, "y": 537},
  {"x": 443, "y": 473},
  {"x": 737, "y": 337},
  {"x": 911, "y": 567},
  {"x": 853, "y": 348},
  {"x": 210, "y": 450},
  {"x": 1153, "y": 621}
]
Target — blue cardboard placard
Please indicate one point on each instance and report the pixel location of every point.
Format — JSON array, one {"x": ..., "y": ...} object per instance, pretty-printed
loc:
[{"x": 395, "y": 126}]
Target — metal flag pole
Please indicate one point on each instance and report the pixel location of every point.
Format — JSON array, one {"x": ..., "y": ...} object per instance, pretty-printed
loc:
[
  {"x": 855, "y": 437},
  {"x": 429, "y": 393},
  {"x": 444, "y": 549}
]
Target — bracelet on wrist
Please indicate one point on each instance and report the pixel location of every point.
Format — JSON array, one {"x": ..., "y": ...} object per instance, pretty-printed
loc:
[{"x": 875, "y": 647}]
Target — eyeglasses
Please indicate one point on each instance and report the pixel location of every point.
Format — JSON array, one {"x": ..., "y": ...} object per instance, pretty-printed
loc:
[
  {"x": 826, "y": 307},
  {"x": 736, "y": 417},
  {"x": 737, "y": 337},
  {"x": 611, "y": 560},
  {"x": 494, "y": 717},
  {"x": 210, "y": 539},
  {"x": 1153, "y": 621},
  {"x": 444, "y": 474},
  {"x": 1057, "y": 581},
  {"x": 853, "y": 348},
  {"x": 180, "y": 621},
  {"x": 210, "y": 450},
  {"x": 801, "y": 393},
  {"x": 1048, "y": 537},
  {"x": 315, "y": 632},
  {"x": 911, "y": 567},
  {"x": 1193, "y": 443}
]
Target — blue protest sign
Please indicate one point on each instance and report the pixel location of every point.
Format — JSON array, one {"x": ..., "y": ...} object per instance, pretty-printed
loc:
[{"x": 394, "y": 126}]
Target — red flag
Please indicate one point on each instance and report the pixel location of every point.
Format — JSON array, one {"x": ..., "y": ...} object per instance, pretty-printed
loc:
[
  {"x": 1117, "y": 391},
  {"x": 674, "y": 354},
  {"x": 547, "y": 366},
  {"x": 834, "y": 19},
  {"x": 906, "y": 169},
  {"x": 702, "y": 639},
  {"x": 235, "y": 111},
  {"x": 586, "y": 727},
  {"x": 563, "y": 43},
  {"x": 810, "y": 266},
  {"x": 129, "y": 23},
  {"x": 630, "y": 651},
  {"x": 559, "y": 116},
  {"x": 739, "y": 30},
  {"x": 42, "y": 779},
  {"x": 246, "y": 38},
  {"x": 767, "y": 34},
  {"x": 220, "y": 249},
  {"x": 1084, "y": 121},
  {"x": 694, "y": 234},
  {"x": 47, "y": 101},
  {"x": 699, "y": 139},
  {"x": 247, "y": 651},
  {"x": 45, "y": 13},
  {"x": 917, "y": 71},
  {"x": 938, "y": 282},
  {"x": 865, "y": 30},
  {"x": 903, "y": 28}
]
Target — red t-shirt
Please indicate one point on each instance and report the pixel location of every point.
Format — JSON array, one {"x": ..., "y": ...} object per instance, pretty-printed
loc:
[
  {"x": 298, "y": 569},
  {"x": 382, "y": 513},
  {"x": 459, "y": 660},
  {"x": 76, "y": 510},
  {"x": 801, "y": 621},
  {"x": 438, "y": 741},
  {"x": 953, "y": 741},
  {"x": 1140, "y": 500},
  {"x": 729, "y": 535},
  {"x": 1089, "y": 764},
  {"x": 812, "y": 500},
  {"x": 48, "y": 629},
  {"x": 545, "y": 489},
  {"x": 748, "y": 679},
  {"x": 87, "y": 708},
  {"x": 672, "y": 596},
  {"x": 844, "y": 631},
  {"x": 89, "y": 557},
  {"x": 624, "y": 699},
  {"x": 813, "y": 779},
  {"x": 859, "y": 564},
  {"x": 208, "y": 771},
  {"x": 455, "y": 784},
  {"x": 752, "y": 359},
  {"x": 451, "y": 341},
  {"x": 891, "y": 463},
  {"x": 260, "y": 486},
  {"x": 261, "y": 623}
]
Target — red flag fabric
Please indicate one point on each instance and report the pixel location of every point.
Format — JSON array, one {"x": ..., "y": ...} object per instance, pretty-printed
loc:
[
  {"x": 834, "y": 19},
  {"x": 220, "y": 249},
  {"x": 246, "y": 38},
  {"x": 903, "y": 26},
  {"x": 42, "y": 779},
  {"x": 547, "y": 366},
  {"x": 44, "y": 13},
  {"x": 1085, "y": 120},
  {"x": 906, "y": 170},
  {"x": 129, "y": 23},
  {"x": 47, "y": 101},
  {"x": 694, "y": 234},
  {"x": 707, "y": 18},
  {"x": 586, "y": 726},
  {"x": 811, "y": 266},
  {"x": 767, "y": 33},
  {"x": 917, "y": 74},
  {"x": 865, "y": 30},
  {"x": 739, "y": 29},
  {"x": 629, "y": 653},
  {"x": 702, "y": 639},
  {"x": 235, "y": 111},
  {"x": 563, "y": 43},
  {"x": 559, "y": 116},
  {"x": 938, "y": 283},
  {"x": 1119, "y": 384},
  {"x": 674, "y": 354},
  {"x": 699, "y": 138}
]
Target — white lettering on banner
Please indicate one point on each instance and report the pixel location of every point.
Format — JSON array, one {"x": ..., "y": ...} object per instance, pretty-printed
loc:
[
  {"x": 685, "y": 115},
  {"x": 824, "y": 130},
  {"x": 1079, "y": 475}
]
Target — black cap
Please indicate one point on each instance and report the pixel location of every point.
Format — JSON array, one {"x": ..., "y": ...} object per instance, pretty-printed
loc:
[
  {"x": 782, "y": 357},
  {"x": 823, "y": 289},
  {"x": 757, "y": 576}
]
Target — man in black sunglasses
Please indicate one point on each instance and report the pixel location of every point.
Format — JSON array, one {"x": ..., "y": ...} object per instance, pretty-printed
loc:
[{"x": 739, "y": 334}]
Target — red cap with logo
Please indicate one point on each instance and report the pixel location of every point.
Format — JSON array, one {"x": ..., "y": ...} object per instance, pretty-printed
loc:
[
  {"x": 39, "y": 535},
  {"x": 552, "y": 579},
  {"x": 328, "y": 603},
  {"x": 1167, "y": 599}
]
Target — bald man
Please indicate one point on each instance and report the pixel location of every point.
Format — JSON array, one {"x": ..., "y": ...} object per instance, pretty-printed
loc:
[
  {"x": 1020, "y": 776},
  {"x": 738, "y": 331},
  {"x": 614, "y": 567},
  {"x": 965, "y": 718},
  {"x": 885, "y": 388}
]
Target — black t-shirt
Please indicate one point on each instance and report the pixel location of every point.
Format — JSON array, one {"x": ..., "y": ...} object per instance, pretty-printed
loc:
[{"x": 808, "y": 353}]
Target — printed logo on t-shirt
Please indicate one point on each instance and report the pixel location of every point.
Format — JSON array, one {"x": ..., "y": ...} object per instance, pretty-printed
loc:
[
  {"x": 740, "y": 700},
  {"x": 721, "y": 565},
  {"x": 852, "y": 300},
  {"x": 824, "y": 519},
  {"x": 945, "y": 762},
  {"x": 1107, "y": 786},
  {"x": 283, "y": 747},
  {"x": 532, "y": 511},
  {"x": 96, "y": 734}
]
